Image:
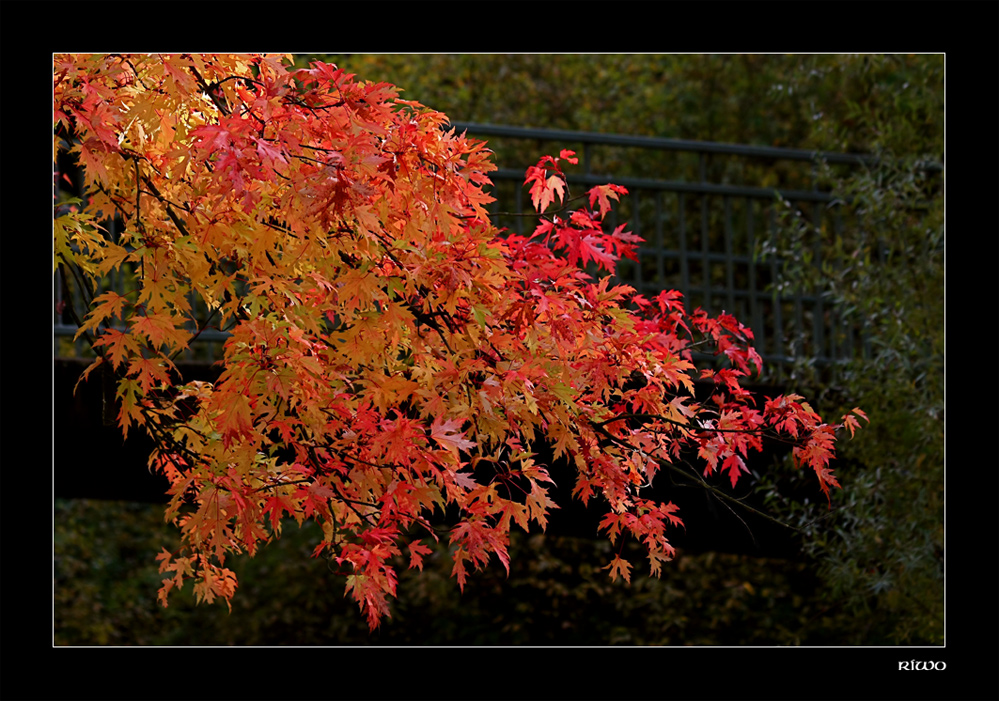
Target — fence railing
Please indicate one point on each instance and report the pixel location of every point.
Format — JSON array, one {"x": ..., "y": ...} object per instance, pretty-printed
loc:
[{"x": 706, "y": 211}]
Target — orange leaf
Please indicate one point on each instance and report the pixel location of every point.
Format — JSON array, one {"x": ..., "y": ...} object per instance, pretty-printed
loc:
[{"x": 619, "y": 567}]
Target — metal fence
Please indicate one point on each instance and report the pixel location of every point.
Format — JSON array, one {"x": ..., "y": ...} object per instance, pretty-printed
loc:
[{"x": 706, "y": 211}]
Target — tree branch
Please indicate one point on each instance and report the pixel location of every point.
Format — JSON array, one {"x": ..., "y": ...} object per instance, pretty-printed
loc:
[{"x": 709, "y": 487}]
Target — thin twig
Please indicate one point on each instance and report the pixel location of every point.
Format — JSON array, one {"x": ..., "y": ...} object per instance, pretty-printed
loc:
[{"x": 711, "y": 488}]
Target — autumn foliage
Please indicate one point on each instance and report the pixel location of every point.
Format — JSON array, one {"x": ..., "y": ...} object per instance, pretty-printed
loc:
[{"x": 393, "y": 357}]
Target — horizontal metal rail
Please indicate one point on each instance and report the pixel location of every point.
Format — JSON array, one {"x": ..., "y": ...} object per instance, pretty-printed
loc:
[
  {"x": 762, "y": 193},
  {"x": 661, "y": 144}
]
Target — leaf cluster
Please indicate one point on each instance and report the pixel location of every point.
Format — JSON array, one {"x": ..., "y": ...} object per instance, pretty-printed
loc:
[{"x": 392, "y": 357}]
